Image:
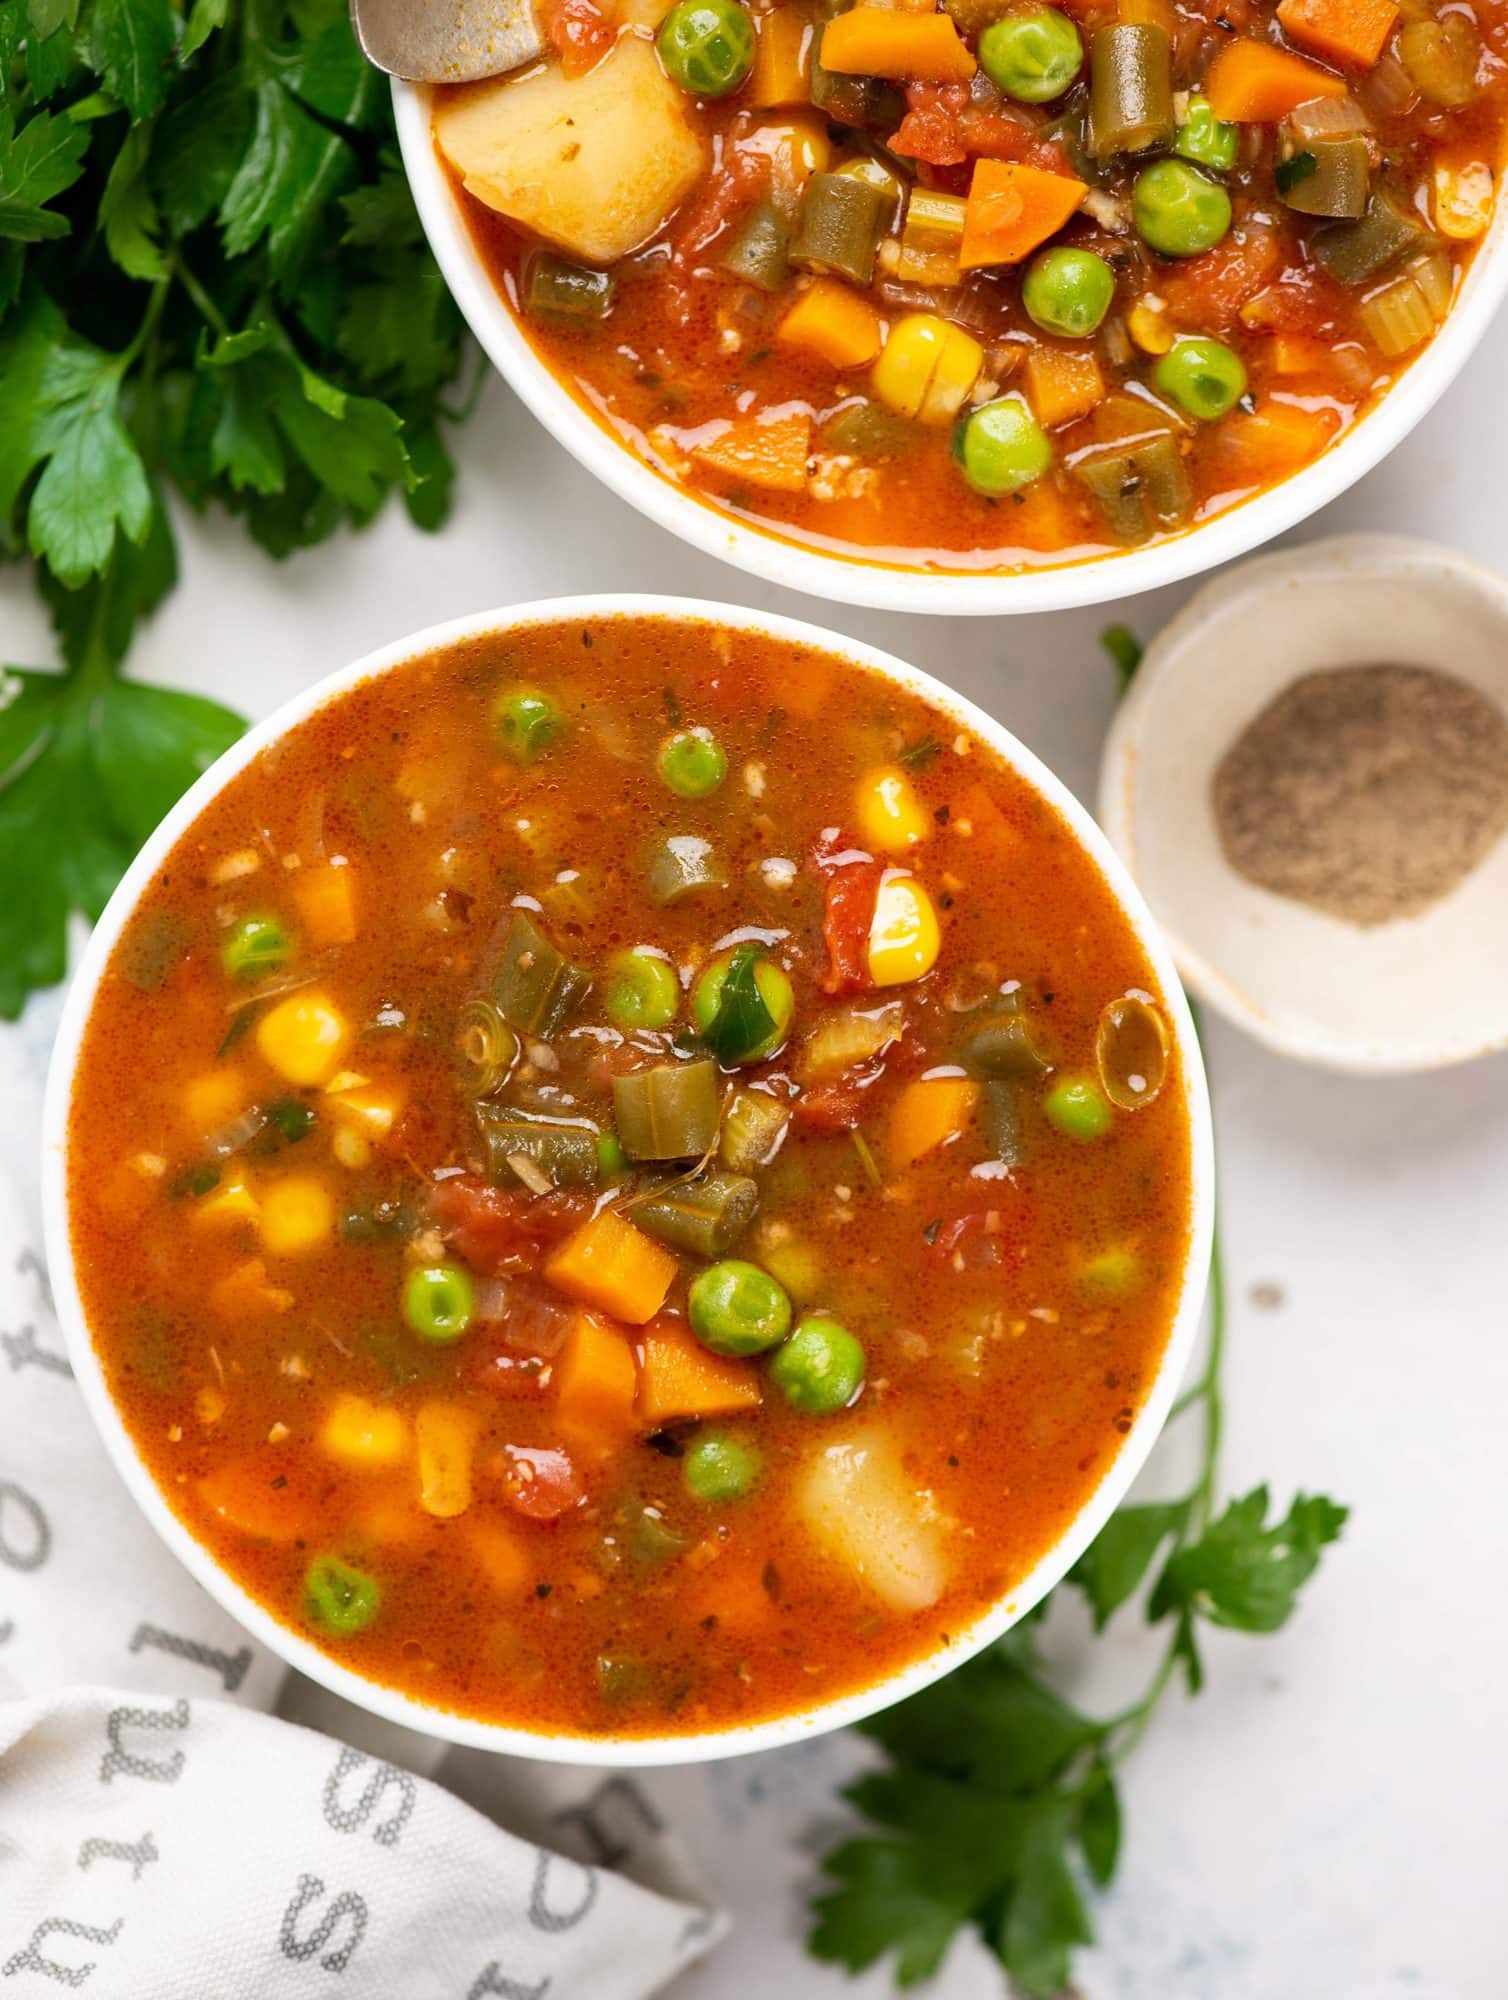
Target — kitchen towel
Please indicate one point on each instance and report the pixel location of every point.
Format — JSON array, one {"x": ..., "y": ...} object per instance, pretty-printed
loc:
[{"x": 163, "y": 1837}]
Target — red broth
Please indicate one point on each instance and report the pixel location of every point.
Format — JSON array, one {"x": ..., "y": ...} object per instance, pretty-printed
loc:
[
  {"x": 405, "y": 1241},
  {"x": 762, "y": 344}
]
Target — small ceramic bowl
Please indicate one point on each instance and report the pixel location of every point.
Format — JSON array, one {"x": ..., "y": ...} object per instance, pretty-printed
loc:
[
  {"x": 888, "y": 586},
  {"x": 1417, "y": 993},
  {"x": 290, "y": 1644}
]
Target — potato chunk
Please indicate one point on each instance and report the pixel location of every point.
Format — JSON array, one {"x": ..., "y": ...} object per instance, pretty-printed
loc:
[
  {"x": 592, "y": 163},
  {"x": 866, "y": 1513}
]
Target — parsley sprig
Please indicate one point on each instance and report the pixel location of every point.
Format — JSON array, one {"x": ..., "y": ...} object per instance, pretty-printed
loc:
[
  {"x": 213, "y": 284},
  {"x": 999, "y": 1804}
]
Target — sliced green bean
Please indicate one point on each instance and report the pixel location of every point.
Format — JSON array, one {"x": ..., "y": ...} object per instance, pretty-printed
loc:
[
  {"x": 839, "y": 229},
  {"x": 1000, "y": 1044},
  {"x": 668, "y": 1112},
  {"x": 705, "y": 1218},
  {"x": 682, "y": 864},
  {"x": 536, "y": 987},
  {"x": 570, "y": 294},
  {"x": 1000, "y": 1122},
  {"x": 760, "y": 253},
  {"x": 565, "y": 1155},
  {"x": 1323, "y": 177},
  {"x": 1354, "y": 252},
  {"x": 1130, "y": 89},
  {"x": 1139, "y": 487}
]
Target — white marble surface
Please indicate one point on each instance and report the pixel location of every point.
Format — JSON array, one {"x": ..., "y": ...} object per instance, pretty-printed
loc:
[{"x": 1331, "y": 1816}]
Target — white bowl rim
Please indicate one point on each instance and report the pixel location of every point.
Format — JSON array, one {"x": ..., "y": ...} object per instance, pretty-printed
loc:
[
  {"x": 890, "y": 587},
  {"x": 1364, "y": 553},
  {"x": 554, "y": 1746}
]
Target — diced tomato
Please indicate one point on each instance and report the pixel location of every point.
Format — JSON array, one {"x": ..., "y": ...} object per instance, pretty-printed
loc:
[
  {"x": 946, "y": 125},
  {"x": 1208, "y": 292},
  {"x": 832, "y": 1107},
  {"x": 853, "y": 882},
  {"x": 981, "y": 1238},
  {"x": 1300, "y": 302},
  {"x": 539, "y": 1483},
  {"x": 497, "y": 1229},
  {"x": 578, "y": 33},
  {"x": 736, "y": 182}
]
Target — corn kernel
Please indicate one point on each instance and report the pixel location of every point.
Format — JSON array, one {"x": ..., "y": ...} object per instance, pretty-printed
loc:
[
  {"x": 927, "y": 368},
  {"x": 904, "y": 938},
  {"x": 891, "y": 817},
  {"x": 1149, "y": 328},
  {"x": 212, "y": 1100},
  {"x": 447, "y": 1434},
  {"x": 297, "y": 1215},
  {"x": 231, "y": 1201},
  {"x": 796, "y": 147},
  {"x": 326, "y": 903},
  {"x": 368, "y": 1435},
  {"x": 1463, "y": 200},
  {"x": 304, "y": 1038},
  {"x": 351, "y": 1148},
  {"x": 210, "y": 1406},
  {"x": 366, "y": 1107}
]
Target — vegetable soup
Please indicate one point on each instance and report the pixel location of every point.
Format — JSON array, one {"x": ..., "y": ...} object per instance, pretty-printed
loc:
[
  {"x": 629, "y": 1178},
  {"x": 990, "y": 286}
]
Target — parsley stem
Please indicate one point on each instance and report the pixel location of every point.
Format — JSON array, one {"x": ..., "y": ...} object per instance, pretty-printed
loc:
[
  {"x": 128, "y": 357},
  {"x": 206, "y": 306}
]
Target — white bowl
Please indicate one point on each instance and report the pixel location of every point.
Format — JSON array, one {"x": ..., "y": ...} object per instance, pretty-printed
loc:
[
  {"x": 386, "y": 1702},
  {"x": 887, "y": 586},
  {"x": 1414, "y": 994}
]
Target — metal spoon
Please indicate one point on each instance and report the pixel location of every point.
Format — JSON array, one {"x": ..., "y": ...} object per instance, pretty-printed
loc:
[{"x": 447, "y": 41}]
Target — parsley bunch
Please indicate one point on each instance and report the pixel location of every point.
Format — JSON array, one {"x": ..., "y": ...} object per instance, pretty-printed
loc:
[
  {"x": 212, "y": 282},
  {"x": 1000, "y": 1806}
]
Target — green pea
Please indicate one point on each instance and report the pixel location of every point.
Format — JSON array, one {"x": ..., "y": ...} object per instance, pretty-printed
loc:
[
  {"x": 1179, "y": 210},
  {"x": 738, "y": 1309},
  {"x": 1033, "y": 56},
  {"x": 770, "y": 1015},
  {"x": 1002, "y": 447},
  {"x": 692, "y": 763},
  {"x": 1202, "y": 376},
  {"x": 612, "y": 1161},
  {"x": 342, "y": 1599},
  {"x": 718, "y": 1467},
  {"x": 437, "y": 1302},
  {"x": 256, "y": 947},
  {"x": 642, "y": 991},
  {"x": 1068, "y": 291},
  {"x": 1206, "y": 139},
  {"x": 820, "y": 1368},
  {"x": 529, "y": 723},
  {"x": 707, "y": 46},
  {"x": 1078, "y": 1108}
]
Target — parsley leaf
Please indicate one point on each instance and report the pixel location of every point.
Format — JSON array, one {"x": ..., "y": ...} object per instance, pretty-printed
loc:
[
  {"x": 1243, "y": 1573},
  {"x": 1125, "y": 651},
  {"x": 1297, "y": 167},
  {"x": 1111, "y": 1569},
  {"x": 36, "y": 164},
  {"x": 212, "y": 282}
]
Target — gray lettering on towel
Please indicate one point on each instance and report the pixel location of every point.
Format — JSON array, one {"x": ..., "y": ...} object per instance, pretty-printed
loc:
[
  {"x": 543, "y": 1914},
  {"x": 351, "y": 1818},
  {"x": 32, "y": 1959},
  {"x": 156, "y": 1770},
  {"x": 231, "y": 1667},
  {"x": 25, "y": 1533},
  {"x": 347, "y": 1906},
  {"x": 137, "y": 1852}
]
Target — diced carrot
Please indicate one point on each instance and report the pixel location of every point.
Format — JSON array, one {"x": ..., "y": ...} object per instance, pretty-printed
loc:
[
  {"x": 613, "y": 1267},
  {"x": 1063, "y": 384},
  {"x": 782, "y": 60},
  {"x": 1276, "y": 438},
  {"x": 326, "y": 904},
  {"x": 769, "y": 452},
  {"x": 1349, "y": 32},
  {"x": 679, "y": 1378},
  {"x": 880, "y": 41},
  {"x": 927, "y": 1112},
  {"x": 256, "y": 1497},
  {"x": 595, "y": 1382},
  {"x": 499, "y": 1556},
  {"x": 1255, "y": 83},
  {"x": 831, "y": 320},
  {"x": 1297, "y": 354},
  {"x": 1012, "y": 208},
  {"x": 244, "y": 1291},
  {"x": 732, "y": 1591},
  {"x": 446, "y": 1436}
]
